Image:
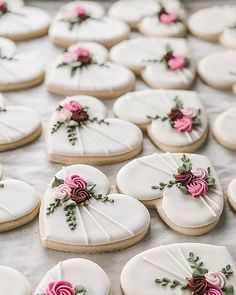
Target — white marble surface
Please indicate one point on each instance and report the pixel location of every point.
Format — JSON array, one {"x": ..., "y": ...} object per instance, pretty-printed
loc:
[{"x": 21, "y": 248}]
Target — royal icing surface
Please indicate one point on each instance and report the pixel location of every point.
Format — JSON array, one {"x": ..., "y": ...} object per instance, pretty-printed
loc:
[
  {"x": 13, "y": 282},
  {"x": 98, "y": 75},
  {"x": 211, "y": 22},
  {"x": 218, "y": 69},
  {"x": 170, "y": 115},
  {"x": 95, "y": 138},
  {"x": 163, "y": 63},
  {"x": 232, "y": 190},
  {"x": 17, "y": 20},
  {"x": 98, "y": 219},
  {"x": 16, "y": 122},
  {"x": 224, "y": 127},
  {"x": 176, "y": 264},
  {"x": 157, "y": 170},
  {"x": 84, "y": 274},
  {"x": 11, "y": 206},
  {"x": 92, "y": 26}
]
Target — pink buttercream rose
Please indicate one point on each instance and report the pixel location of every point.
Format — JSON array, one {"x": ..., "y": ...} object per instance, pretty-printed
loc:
[
  {"x": 199, "y": 172},
  {"x": 198, "y": 187},
  {"x": 72, "y": 106},
  {"x": 60, "y": 288},
  {"x": 177, "y": 63},
  {"x": 62, "y": 192},
  {"x": 216, "y": 279},
  {"x": 190, "y": 112},
  {"x": 69, "y": 57},
  {"x": 64, "y": 115},
  {"x": 168, "y": 18},
  {"x": 77, "y": 54},
  {"x": 184, "y": 124},
  {"x": 214, "y": 290},
  {"x": 75, "y": 181}
]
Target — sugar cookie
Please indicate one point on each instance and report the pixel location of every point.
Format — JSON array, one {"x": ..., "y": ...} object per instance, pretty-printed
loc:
[
  {"x": 162, "y": 63},
  {"x": 80, "y": 21},
  {"x": 15, "y": 72},
  {"x": 14, "y": 210},
  {"x": 19, "y": 22},
  {"x": 231, "y": 193},
  {"x": 173, "y": 184},
  {"x": 13, "y": 282},
  {"x": 187, "y": 268},
  {"x": 75, "y": 276},
  {"x": 175, "y": 120},
  {"x": 84, "y": 69},
  {"x": 224, "y": 128},
  {"x": 78, "y": 216}
]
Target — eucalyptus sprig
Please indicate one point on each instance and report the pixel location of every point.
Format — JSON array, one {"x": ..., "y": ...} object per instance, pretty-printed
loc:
[
  {"x": 196, "y": 265},
  {"x": 171, "y": 283}
]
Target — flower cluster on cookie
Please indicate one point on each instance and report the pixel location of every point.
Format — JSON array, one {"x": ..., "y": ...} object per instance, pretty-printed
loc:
[
  {"x": 3, "y": 7},
  {"x": 167, "y": 17},
  {"x": 190, "y": 180},
  {"x": 75, "y": 16},
  {"x": 64, "y": 288},
  {"x": 202, "y": 282},
  {"x": 76, "y": 58},
  {"x": 71, "y": 192},
  {"x": 180, "y": 118},
  {"x": 73, "y": 115}
]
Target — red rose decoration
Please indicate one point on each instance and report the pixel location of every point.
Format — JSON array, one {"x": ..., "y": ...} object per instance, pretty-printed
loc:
[
  {"x": 80, "y": 116},
  {"x": 198, "y": 285},
  {"x": 175, "y": 114},
  {"x": 184, "y": 178},
  {"x": 79, "y": 195},
  {"x": 3, "y": 6}
]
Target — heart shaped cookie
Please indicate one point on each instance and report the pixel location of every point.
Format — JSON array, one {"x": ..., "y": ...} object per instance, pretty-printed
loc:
[
  {"x": 215, "y": 23},
  {"x": 75, "y": 276},
  {"x": 18, "y": 126},
  {"x": 218, "y": 70},
  {"x": 19, "y": 22},
  {"x": 173, "y": 184},
  {"x": 15, "y": 72},
  {"x": 84, "y": 69},
  {"x": 180, "y": 269},
  {"x": 175, "y": 120},
  {"x": 79, "y": 132},
  {"x": 162, "y": 63},
  {"x": 78, "y": 216},
  {"x": 13, "y": 282},
  {"x": 80, "y": 21},
  {"x": 15, "y": 211}
]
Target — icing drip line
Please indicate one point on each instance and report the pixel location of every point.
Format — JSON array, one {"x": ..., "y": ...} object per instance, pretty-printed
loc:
[
  {"x": 60, "y": 271},
  {"x": 181, "y": 265},
  {"x": 212, "y": 202},
  {"x": 208, "y": 206},
  {"x": 188, "y": 136},
  {"x": 97, "y": 140},
  {"x": 183, "y": 75},
  {"x": 165, "y": 162},
  {"x": 153, "y": 107},
  {"x": 98, "y": 224},
  {"x": 82, "y": 226},
  {"x": 12, "y": 127},
  {"x": 5, "y": 136},
  {"x": 182, "y": 278},
  {"x": 144, "y": 50},
  {"x": 100, "y": 81},
  {"x": 183, "y": 258},
  {"x": 80, "y": 143},
  {"x": 129, "y": 231},
  {"x": 172, "y": 160},
  {"x": 216, "y": 191},
  {"x": 11, "y": 213},
  {"x": 64, "y": 169},
  {"x": 196, "y": 134},
  {"x": 166, "y": 98},
  {"x": 50, "y": 276},
  {"x": 111, "y": 137},
  {"x": 154, "y": 167}
]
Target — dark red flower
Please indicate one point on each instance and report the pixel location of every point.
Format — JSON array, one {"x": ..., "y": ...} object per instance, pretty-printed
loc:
[
  {"x": 80, "y": 116},
  {"x": 3, "y": 7},
  {"x": 175, "y": 114},
  {"x": 198, "y": 285},
  {"x": 184, "y": 178},
  {"x": 168, "y": 56},
  {"x": 79, "y": 195}
]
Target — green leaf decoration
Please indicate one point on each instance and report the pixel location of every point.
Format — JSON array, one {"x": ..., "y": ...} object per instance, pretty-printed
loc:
[
  {"x": 183, "y": 189},
  {"x": 178, "y": 103},
  {"x": 196, "y": 265},
  {"x": 56, "y": 126},
  {"x": 1, "y": 185},
  {"x": 90, "y": 186},
  {"x": 80, "y": 290},
  {"x": 229, "y": 290},
  {"x": 3, "y": 110},
  {"x": 57, "y": 181},
  {"x": 52, "y": 206},
  {"x": 227, "y": 271},
  {"x": 70, "y": 217},
  {"x": 164, "y": 282}
]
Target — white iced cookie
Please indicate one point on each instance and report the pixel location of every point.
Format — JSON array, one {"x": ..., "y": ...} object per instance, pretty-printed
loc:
[
  {"x": 169, "y": 21},
  {"x": 231, "y": 193},
  {"x": 214, "y": 23},
  {"x": 80, "y": 132},
  {"x": 162, "y": 63},
  {"x": 224, "y": 128},
  {"x": 78, "y": 215},
  {"x": 177, "y": 269},
  {"x": 81, "y": 21},
  {"x": 84, "y": 69},
  {"x": 75, "y": 276},
  {"x": 18, "y": 126},
  {"x": 18, "y": 70},
  {"x": 19, "y": 22},
  {"x": 13, "y": 282},
  {"x": 174, "y": 119},
  {"x": 15, "y": 211},
  {"x": 218, "y": 70},
  {"x": 173, "y": 184}
]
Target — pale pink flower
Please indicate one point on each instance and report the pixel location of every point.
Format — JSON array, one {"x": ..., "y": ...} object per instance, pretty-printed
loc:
[
  {"x": 168, "y": 18},
  {"x": 190, "y": 112},
  {"x": 199, "y": 172},
  {"x": 216, "y": 278},
  {"x": 62, "y": 192},
  {"x": 177, "y": 63},
  {"x": 64, "y": 115}
]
